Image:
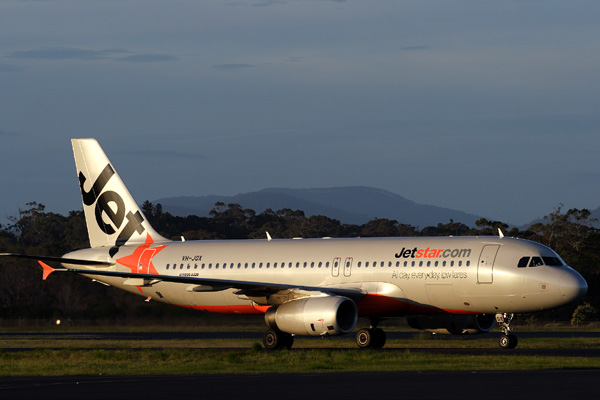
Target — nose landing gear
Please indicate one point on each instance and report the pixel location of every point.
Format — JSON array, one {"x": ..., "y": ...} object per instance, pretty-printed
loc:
[{"x": 507, "y": 340}]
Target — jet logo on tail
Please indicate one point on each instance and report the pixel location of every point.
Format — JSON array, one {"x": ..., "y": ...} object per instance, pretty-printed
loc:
[{"x": 103, "y": 200}]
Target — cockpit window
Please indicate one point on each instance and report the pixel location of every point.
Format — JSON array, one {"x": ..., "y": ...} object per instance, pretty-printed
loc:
[
  {"x": 553, "y": 261},
  {"x": 523, "y": 262},
  {"x": 536, "y": 262}
]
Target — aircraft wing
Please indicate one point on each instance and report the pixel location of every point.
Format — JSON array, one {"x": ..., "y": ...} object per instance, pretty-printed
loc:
[
  {"x": 202, "y": 284},
  {"x": 208, "y": 284}
]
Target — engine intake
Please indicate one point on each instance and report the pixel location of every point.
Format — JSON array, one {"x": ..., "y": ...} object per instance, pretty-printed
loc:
[
  {"x": 453, "y": 324},
  {"x": 314, "y": 316}
]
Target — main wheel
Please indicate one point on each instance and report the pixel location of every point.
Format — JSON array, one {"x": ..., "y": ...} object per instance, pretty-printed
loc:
[
  {"x": 364, "y": 338},
  {"x": 380, "y": 338},
  {"x": 273, "y": 340}
]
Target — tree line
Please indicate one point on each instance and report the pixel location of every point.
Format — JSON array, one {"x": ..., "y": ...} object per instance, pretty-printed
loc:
[{"x": 572, "y": 234}]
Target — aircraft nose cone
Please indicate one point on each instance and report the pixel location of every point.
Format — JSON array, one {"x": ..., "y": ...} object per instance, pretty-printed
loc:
[{"x": 573, "y": 286}]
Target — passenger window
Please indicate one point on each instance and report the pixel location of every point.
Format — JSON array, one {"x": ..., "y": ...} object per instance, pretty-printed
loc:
[
  {"x": 167, "y": 266},
  {"x": 536, "y": 262}
]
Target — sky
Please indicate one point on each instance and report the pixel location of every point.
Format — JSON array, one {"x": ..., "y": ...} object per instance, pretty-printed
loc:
[{"x": 488, "y": 107}]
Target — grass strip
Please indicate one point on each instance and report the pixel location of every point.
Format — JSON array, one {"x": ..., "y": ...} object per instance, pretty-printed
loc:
[{"x": 44, "y": 362}]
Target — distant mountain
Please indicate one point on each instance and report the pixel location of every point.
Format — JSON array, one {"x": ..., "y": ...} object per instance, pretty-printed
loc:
[{"x": 350, "y": 205}]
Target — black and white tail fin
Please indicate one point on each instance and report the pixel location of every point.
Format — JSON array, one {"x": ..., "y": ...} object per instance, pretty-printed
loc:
[{"x": 112, "y": 216}]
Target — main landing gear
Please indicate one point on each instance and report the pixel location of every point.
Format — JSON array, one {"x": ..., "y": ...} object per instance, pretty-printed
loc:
[
  {"x": 371, "y": 338},
  {"x": 275, "y": 339},
  {"x": 507, "y": 339}
]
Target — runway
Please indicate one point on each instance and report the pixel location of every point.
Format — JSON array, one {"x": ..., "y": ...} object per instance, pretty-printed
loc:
[
  {"x": 529, "y": 384},
  {"x": 380, "y": 385}
]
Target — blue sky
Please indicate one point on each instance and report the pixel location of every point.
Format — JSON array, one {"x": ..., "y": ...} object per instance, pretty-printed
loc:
[{"x": 489, "y": 107}]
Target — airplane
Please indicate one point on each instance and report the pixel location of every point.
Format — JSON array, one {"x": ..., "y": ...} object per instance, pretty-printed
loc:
[{"x": 314, "y": 287}]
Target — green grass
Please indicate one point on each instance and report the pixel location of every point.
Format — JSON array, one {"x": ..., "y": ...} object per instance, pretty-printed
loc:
[
  {"x": 196, "y": 361},
  {"x": 74, "y": 356}
]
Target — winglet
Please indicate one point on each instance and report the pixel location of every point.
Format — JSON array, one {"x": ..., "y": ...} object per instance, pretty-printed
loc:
[
  {"x": 500, "y": 233},
  {"x": 268, "y": 237},
  {"x": 47, "y": 269}
]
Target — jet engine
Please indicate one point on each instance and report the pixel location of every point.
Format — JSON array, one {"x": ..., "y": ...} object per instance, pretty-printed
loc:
[
  {"x": 453, "y": 324},
  {"x": 314, "y": 316}
]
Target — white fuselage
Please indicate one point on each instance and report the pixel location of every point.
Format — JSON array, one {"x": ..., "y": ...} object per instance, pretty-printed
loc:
[{"x": 398, "y": 276}]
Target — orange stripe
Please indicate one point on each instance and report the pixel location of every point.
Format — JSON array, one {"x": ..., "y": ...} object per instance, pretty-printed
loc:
[{"x": 240, "y": 309}]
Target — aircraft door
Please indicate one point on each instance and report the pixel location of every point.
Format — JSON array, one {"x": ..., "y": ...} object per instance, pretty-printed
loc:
[
  {"x": 347, "y": 266},
  {"x": 144, "y": 262},
  {"x": 335, "y": 270},
  {"x": 485, "y": 268}
]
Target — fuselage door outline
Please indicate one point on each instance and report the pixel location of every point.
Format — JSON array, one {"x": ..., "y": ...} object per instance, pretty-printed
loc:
[
  {"x": 144, "y": 262},
  {"x": 348, "y": 266},
  {"x": 335, "y": 270}
]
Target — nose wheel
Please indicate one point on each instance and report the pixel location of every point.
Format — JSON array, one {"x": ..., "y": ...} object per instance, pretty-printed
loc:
[{"x": 507, "y": 340}]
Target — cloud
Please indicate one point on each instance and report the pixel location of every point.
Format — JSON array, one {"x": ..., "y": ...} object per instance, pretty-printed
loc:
[
  {"x": 70, "y": 53},
  {"x": 232, "y": 67},
  {"x": 144, "y": 58},
  {"x": 163, "y": 154},
  {"x": 415, "y": 48},
  {"x": 10, "y": 68},
  {"x": 5, "y": 133},
  {"x": 59, "y": 53}
]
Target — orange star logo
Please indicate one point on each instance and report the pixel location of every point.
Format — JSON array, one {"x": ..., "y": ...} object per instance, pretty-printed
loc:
[{"x": 140, "y": 261}]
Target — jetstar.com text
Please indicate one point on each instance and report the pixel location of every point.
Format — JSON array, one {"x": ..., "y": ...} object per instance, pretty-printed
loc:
[{"x": 433, "y": 253}]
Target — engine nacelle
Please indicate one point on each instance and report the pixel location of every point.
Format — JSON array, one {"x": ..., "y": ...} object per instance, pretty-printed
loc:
[
  {"x": 314, "y": 316},
  {"x": 453, "y": 324}
]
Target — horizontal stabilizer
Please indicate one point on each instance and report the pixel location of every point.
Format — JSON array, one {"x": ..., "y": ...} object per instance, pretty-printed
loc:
[
  {"x": 47, "y": 269},
  {"x": 62, "y": 260}
]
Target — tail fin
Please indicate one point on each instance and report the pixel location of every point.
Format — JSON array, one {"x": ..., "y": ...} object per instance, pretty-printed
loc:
[{"x": 112, "y": 216}]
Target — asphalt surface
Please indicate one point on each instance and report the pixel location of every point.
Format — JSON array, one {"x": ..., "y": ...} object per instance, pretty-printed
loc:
[
  {"x": 553, "y": 384},
  {"x": 382, "y": 385}
]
